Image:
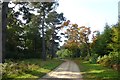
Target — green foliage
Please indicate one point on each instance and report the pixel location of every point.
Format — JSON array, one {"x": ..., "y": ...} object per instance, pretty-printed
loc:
[
  {"x": 74, "y": 48},
  {"x": 24, "y": 37},
  {"x": 53, "y": 19},
  {"x": 96, "y": 71},
  {"x": 109, "y": 60},
  {"x": 114, "y": 49},
  {"x": 78, "y": 39},
  {"x": 114, "y": 44},
  {"x": 29, "y": 68},
  {"x": 93, "y": 58},
  {"x": 83, "y": 51},
  {"x": 63, "y": 53},
  {"x": 106, "y": 45},
  {"x": 99, "y": 46},
  {"x": 22, "y": 40}
]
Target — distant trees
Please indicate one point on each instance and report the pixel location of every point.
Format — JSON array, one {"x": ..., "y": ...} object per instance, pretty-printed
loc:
[
  {"x": 102, "y": 44},
  {"x": 77, "y": 37},
  {"x": 101, "y": 41},
  {"x": 110, "y": 47},
  {"x": 32, "y": 32},
  {"x": 64, "y": 53}
]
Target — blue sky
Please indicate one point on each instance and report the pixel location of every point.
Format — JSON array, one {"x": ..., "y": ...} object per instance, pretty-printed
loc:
[{"x": 90, "y": 13}]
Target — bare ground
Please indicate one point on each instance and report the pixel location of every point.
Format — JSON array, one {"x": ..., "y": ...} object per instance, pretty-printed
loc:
[{"x": 66, "y": 71}]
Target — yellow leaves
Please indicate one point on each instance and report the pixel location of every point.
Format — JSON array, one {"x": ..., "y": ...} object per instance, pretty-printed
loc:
[
  {"x": 66, "y": 23},
  {"x": 71, "y": 44},
  {"x": 82, "y": 27},
  {"x": 78, "y": 28},
  {"x": 68, "y": 30},
  {"x": 75, "y": 25},
  {"x": 94, "y": 36},
  {"x": 76, "y": 34}
]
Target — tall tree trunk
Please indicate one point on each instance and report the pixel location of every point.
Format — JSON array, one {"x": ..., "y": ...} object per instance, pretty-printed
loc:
[
  {"x": 4, "y": 25},
  {"x": 43, "y": 38},
  {"x": 53, "y": 42},
  {"x": 0, "y": 32},
  {"x": 52, "y": 46},
  {"x": 34, "y": 44}
]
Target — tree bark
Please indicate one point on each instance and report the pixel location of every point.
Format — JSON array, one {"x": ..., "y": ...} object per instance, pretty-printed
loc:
[
  {"x": 4, "y": 26},
  {"x": 0, "y": 32},
  {"x": 35, "y": 44},
  {"x": 43, "y": 38},
  {"x": 52, "y": 46},
  {"x": 53, "y": 42}
]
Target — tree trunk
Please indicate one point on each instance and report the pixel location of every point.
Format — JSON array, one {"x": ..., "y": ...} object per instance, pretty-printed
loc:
[
  {"x": 53, "y": 43},
  {"x": 4, "y": 25},
  {"x": 88, "y": 49},
  {"x": 52, "y": 47},
  {"x": 35, "y": 45},
  {"x": 0, "y": 32},
  {"x": 43, "y": 38}
]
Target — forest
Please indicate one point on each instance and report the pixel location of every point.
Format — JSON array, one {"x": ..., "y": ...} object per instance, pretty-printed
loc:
[{"x": 32, "y": 32}]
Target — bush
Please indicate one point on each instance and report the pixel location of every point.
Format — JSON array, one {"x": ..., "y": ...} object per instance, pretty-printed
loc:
[
  {"x": 109, "y": 60},
  {"x": 93, "y": 58},
  {"x": 87, "y": 58},
  {"x": 27, "y": 68},
  {"x": 64, "y": 53}
]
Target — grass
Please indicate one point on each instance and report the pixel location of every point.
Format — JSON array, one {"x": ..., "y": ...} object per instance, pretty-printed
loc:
[
  {"x": 96, "y": 71},
  {"x": 28, "y": 69}
]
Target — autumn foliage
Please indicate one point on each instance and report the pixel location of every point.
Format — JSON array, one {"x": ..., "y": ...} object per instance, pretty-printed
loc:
[{"x": 77, "y": 36}]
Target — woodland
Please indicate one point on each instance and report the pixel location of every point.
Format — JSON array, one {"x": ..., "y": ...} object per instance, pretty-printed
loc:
[{"x": 32, "y": 34}]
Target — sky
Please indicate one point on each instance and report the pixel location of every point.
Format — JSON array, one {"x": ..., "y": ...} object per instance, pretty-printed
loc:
[{"x": 90, "y": 13}]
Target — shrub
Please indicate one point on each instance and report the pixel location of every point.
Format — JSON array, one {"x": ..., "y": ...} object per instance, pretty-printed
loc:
[
  {"x": 109, "y": 60},
  {"x": 93, "y": 58},
  {"x": 87, "y": 58},
  {"x": 64, "y": 53}
]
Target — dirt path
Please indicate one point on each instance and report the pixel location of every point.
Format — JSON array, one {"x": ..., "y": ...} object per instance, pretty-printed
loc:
[{"x": 67, "y": 70}]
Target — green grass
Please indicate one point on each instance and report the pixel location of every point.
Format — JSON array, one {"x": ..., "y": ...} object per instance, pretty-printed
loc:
[
  {"x": 29, "y": 69},
  {"x": 96, "y": 71}
]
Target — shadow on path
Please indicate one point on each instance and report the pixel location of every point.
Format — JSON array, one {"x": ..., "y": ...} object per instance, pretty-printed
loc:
[{"x": 66, "y": 71}]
